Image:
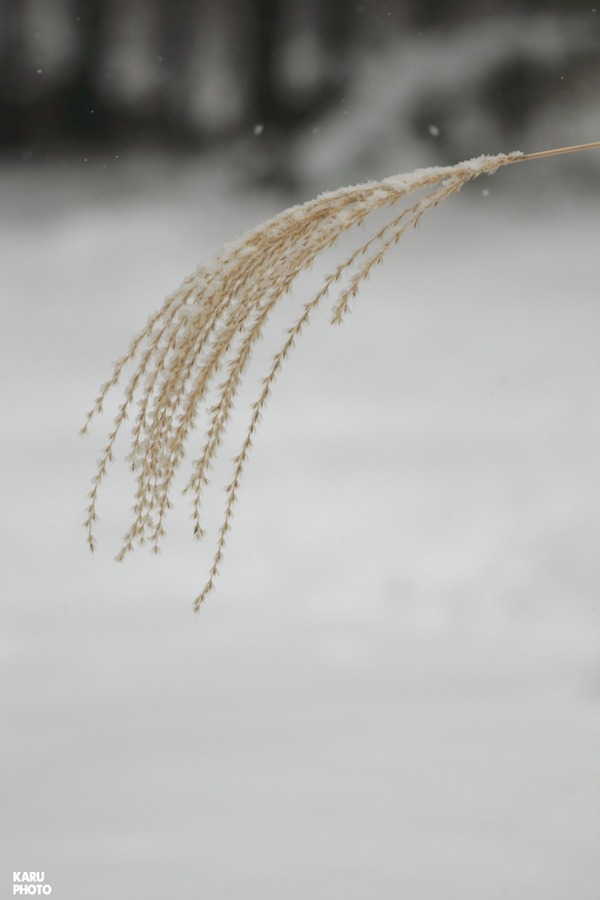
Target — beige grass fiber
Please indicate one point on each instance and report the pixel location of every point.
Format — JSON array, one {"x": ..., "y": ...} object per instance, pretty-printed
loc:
[{"x": 206, "y": 330}]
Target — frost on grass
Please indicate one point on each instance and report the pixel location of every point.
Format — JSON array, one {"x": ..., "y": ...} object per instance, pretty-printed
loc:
[{"x": 204, "y": 333}]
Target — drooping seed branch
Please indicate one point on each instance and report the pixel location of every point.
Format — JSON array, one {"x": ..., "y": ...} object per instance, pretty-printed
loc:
[{"x": 212, "y": 323}]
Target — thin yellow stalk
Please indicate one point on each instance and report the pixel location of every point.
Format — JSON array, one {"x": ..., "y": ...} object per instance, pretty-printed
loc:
[{"x": 561, "y": 151}]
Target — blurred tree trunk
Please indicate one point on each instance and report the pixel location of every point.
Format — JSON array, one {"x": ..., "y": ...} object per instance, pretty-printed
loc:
[
  {"x": 86, "y": 109},
  {"x": 11, "y": 54},
  {"x": 267, "y": 17},
  {"x": 300, "y": 51},
  {"x": 176, "y": 27}
]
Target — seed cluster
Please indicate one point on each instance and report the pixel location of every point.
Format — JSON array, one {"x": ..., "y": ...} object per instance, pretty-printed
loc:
[{"x": 205, "y": 331}]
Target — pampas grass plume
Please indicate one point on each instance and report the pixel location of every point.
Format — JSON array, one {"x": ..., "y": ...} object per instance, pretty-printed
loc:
[{"x": 205, "y": 332}]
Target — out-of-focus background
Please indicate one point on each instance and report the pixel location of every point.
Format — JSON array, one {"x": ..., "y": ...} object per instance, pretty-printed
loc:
[
  {"x": 395, "y": 689},
  {"x": 297, "y": 87}
]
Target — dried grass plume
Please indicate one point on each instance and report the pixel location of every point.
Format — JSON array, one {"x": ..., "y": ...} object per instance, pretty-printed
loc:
[{"x": 205, "y": 331}]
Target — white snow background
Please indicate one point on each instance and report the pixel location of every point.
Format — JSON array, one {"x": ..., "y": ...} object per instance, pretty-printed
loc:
[{"x": 394, "y": 691}]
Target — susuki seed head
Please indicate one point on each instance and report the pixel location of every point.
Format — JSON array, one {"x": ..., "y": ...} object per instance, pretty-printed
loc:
[{"x": 205, "y": 331}]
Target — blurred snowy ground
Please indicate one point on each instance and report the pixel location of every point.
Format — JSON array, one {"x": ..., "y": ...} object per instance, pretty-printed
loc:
[{"x": 395, "y": 690}]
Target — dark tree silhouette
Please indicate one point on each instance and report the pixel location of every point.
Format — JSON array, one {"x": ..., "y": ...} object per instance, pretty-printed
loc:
[{"x": 211, "y": 69}]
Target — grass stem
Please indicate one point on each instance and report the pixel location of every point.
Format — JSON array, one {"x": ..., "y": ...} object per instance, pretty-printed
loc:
[{"x": 542, "y": 154}]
